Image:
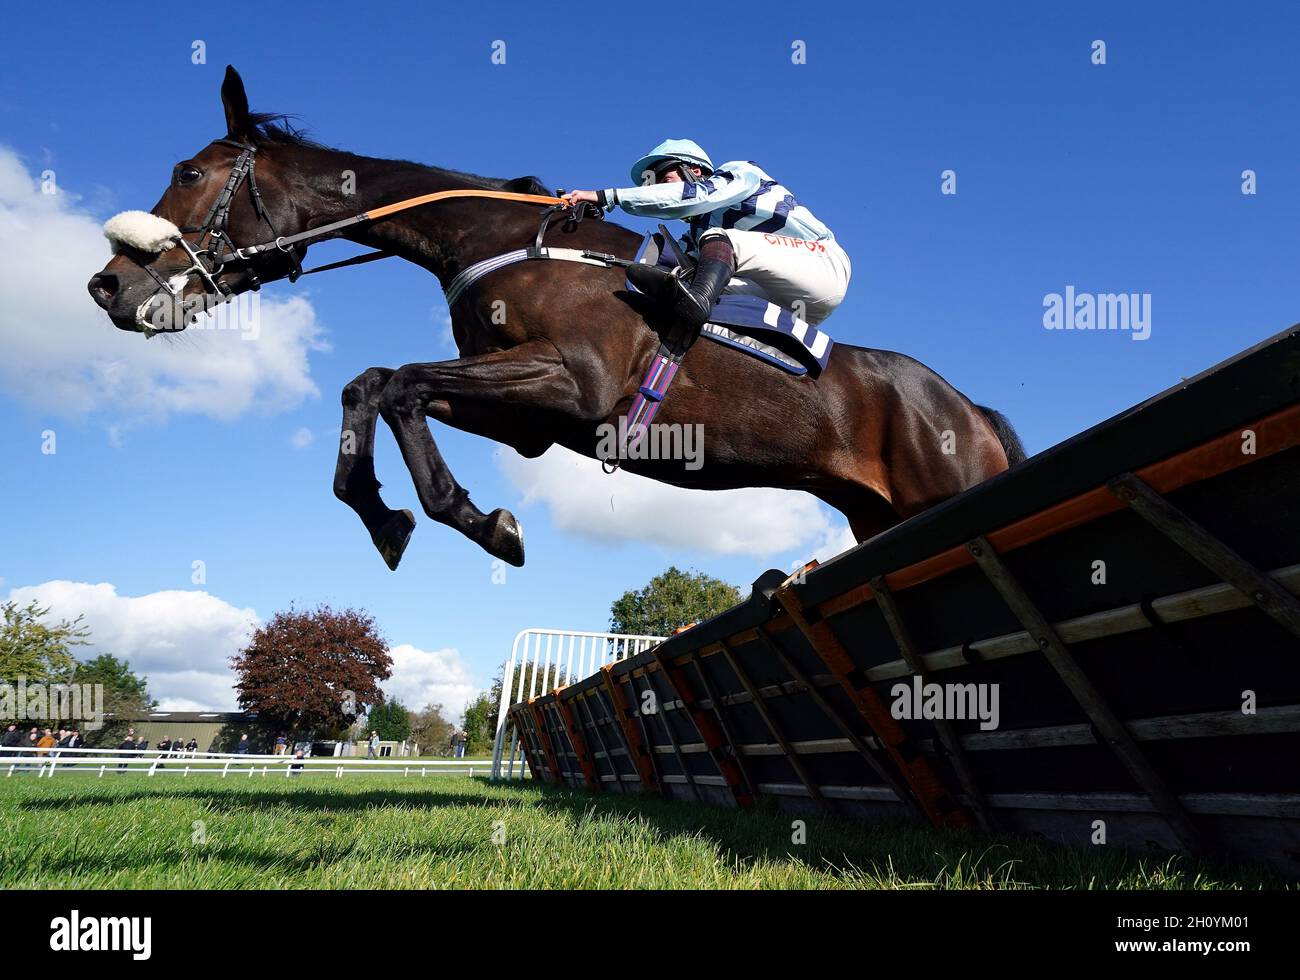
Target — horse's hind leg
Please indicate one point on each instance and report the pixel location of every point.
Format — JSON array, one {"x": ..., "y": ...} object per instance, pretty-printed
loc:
[
  {"x": 487, "y": 394},
  {"x": 354, "y": 476}
]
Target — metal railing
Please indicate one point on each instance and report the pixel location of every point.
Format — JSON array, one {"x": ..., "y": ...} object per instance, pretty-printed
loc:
[
  {"x": 542, "y": 660},
  {"x": 152, "y": 762}
]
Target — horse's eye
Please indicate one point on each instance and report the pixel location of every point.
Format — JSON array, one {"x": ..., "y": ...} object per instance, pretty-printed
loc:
[{"x": 186, "y": 174}]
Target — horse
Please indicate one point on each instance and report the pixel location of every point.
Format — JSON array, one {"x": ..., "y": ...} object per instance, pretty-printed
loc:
[{"x": 551, "y": 353}]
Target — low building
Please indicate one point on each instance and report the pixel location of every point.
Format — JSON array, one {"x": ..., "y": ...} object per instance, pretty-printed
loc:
[{"x": 213, "y": 731}]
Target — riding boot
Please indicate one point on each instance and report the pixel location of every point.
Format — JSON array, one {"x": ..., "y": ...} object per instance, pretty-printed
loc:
[{"x": 691, "y": 302}]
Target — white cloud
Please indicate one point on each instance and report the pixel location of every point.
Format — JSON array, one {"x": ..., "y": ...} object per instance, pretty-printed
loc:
[
  {"x": 759, "y": 522},
  {"x": 423, "y": 677},
  {"x": 835, "y": 541},
  {"x": 63, "y": 356},
  {"x": 303, "y": 438},
  {"x": 442, "y": 317},
  {"x": 181, "y": 641}
]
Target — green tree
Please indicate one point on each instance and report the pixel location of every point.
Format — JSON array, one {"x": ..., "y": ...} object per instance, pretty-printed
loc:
[
  {"x": 518, "y": 692},
  {"x": 480, "y": 720},
  {"x": 126, "y": 695},
  {"x": 391, "y": 720},
  {"x": 35, "y": 650},
  {"x": 671, "y": 599},
  {"x": 431, "y": 730}
]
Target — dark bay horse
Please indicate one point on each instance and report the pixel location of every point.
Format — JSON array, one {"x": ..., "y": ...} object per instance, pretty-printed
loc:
[{"x": 552, "y": 352}]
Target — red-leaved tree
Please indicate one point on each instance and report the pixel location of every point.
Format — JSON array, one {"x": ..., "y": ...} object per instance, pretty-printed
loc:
[{"x": 313, "y": 670}]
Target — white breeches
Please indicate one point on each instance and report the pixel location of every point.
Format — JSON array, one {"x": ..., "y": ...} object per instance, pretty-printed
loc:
[{"x": 808, "y": 278}]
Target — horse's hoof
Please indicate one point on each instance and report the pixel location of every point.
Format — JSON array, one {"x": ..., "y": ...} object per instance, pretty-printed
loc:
[
  {"x": 392, "y": 538},
  {"x": 504, "y": 537}
]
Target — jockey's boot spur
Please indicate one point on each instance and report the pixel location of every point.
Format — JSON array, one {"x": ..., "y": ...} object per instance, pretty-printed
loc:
[{"x": 691, "y": 302}]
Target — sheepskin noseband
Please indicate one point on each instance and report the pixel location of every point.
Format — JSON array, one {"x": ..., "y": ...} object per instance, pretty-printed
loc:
[{"x": 142, "y": 231}]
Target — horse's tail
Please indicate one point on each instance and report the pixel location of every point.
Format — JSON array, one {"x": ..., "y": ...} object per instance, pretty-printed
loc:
[{"x": 1011, "y": 444}]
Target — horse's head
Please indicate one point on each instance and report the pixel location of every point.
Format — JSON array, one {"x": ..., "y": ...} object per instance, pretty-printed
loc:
[{"x": 188, "y": 254}]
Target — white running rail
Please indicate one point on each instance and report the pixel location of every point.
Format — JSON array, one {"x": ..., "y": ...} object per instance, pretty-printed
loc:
[
  {"x": 98, "y": 762},
  {"x": 542, "y": 660}
]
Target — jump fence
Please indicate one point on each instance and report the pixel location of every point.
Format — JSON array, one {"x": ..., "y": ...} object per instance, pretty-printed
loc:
[{"x": 544, "y": 659}]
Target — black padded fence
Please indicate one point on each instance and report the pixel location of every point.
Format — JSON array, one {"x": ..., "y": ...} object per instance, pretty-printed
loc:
[{"x": 1103, "y": 641}]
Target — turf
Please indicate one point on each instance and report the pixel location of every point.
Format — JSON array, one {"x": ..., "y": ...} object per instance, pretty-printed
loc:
[{"x": 132, "y": 831}]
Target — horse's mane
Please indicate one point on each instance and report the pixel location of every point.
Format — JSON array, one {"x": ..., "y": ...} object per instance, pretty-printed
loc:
[{"x": 278, "y": 128}]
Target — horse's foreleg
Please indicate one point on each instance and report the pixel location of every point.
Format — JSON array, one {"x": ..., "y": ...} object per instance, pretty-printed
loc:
[
  {"x": 354, "y": 476},
  {"x": 488, "y": 394}
]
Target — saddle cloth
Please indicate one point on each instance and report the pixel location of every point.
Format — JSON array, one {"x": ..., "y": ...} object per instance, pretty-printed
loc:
[{"x": 752, "y": 324}]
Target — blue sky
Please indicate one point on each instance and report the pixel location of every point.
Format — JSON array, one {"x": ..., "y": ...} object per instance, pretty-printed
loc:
[{"x": 1122, "y": 177}]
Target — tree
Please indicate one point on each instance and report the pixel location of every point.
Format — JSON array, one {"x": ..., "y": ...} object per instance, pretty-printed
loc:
[
  {"x": 34, "y": 650},
  {"x": 431, "y": 730},
  {"x": 480, "y": 724},
  {"x": 309, "y": 670},
  {"x": 517, "y": 692},
  {"x": 125, "y": 695},
  {"x": 671, "y": 599},
  {"x": 391, "y": 721}
]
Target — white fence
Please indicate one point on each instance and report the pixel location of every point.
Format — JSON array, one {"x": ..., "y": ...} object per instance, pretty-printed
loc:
[
  {"x": 99, "y": 762},
  {"x": 542, "y": 660}
]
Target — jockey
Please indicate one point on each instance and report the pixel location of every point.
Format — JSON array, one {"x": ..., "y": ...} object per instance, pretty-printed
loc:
[{"x": 749, "y": 232}]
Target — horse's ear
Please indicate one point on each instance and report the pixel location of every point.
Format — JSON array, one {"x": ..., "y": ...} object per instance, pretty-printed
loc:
[{"x": 235, "y": 101}]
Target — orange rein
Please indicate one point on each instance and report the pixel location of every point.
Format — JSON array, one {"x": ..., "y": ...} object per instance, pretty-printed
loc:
[{"x": 413, "y": 202}]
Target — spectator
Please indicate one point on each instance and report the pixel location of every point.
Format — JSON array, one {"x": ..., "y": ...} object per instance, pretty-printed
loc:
[
  {"x": 29, "y": 742},
  {"x": 243, "y": 747},
  {"x": 372, "y": 749},
  {"x": 11, "y": 739},
  {"x": 127, "y": 744},
  {"x": 47, "y": 742},
  {"x": 458, "y": 739},
  {"x": 281, "y": 744},
  {"x": 192, "y": 746},
  {"x": 296, "y": 766}
]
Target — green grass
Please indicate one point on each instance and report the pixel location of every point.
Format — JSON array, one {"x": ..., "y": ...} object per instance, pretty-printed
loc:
[{"x": 132, "y": 831}]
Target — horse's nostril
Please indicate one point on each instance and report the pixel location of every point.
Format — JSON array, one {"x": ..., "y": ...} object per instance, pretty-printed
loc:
[{"x": 103, "y": 287}]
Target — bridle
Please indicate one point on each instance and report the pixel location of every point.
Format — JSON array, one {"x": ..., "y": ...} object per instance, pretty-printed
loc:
[
  {"x": 213, "y": 249},
  {"x": 213, "y": 237}
]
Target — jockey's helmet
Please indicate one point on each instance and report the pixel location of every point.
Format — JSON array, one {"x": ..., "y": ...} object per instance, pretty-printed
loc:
[{"x": 687, "y": 151}]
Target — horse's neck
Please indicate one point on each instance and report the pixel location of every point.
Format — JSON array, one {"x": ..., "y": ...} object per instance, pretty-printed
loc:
[{"x": 343, "y": 184}]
